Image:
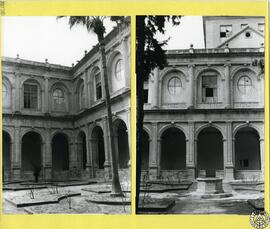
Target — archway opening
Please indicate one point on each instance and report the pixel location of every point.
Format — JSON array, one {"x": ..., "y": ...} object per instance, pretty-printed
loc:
[
  {"x": 60, "y": 152},
  {"x": 173, "y": 150},
  {"x": 6, "y": 149},
  {"x": 122, "y": 142},
  {"x": 98, "y": 147},
  {"x": 31, "y": 151},
  {"x": 209, "y": 152},
  {"x": 145, "y": 151},
  {"x": 82, "y": 151},
  {"x": 247, "y": 149}
]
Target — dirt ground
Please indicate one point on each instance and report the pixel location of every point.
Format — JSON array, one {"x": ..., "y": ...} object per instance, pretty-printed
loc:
[{"x": 78, "y": 204}]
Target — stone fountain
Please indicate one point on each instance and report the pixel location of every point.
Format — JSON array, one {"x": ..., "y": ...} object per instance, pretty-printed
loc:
[{"x": 210, "y": 187}]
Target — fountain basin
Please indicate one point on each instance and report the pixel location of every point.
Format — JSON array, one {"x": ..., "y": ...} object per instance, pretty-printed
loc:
[{"x": 210, "y": 187}]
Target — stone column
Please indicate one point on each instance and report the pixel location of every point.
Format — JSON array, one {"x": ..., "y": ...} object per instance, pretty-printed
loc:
[
  {"x": 227, "y": 90},
  {"x": 126, "y": 61},
  {"x": 94, "y": 151},
  {"x": 48, "y": 156},
  {"x": 190, "y": 152},
  {"x": 42, "y": 101},
  {"x": 86, "y": 91},
  {"x": 107, "y": 148},
  {"x": 13, "y": 98},
  {"x": 115, "y": 139},
  {"x": 190, "y": 102},
  {"x": 12, "y": 144},
  {"x": 79, "y": 148},
  {"x": 72, "y": 154},
  {"x": 262, "y": 158},
  {"x": 155, "y": 94},
  {"x": 47, "y": 95},
  {"x": 16, "y": 155},
  {"x": 89, "y": 170},
  {"x": 153, "y": 153},
  {"x": 17, "y": 92},
  {"x": 228, "y": 153}
]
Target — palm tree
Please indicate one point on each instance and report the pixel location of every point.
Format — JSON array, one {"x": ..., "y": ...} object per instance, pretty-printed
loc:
[{"x": 95, "y": 24}]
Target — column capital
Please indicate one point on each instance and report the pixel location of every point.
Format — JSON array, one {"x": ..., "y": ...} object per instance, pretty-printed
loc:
[{"x": 227, "y": 65}]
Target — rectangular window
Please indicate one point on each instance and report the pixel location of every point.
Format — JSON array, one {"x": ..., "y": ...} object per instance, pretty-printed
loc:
[
  {"x": 30, "y": 96},
  {"x": 209, "y": 92},
  {"x": 99, "y": 91},
  {"x": 225, "y": 31},
  {"x": 261, "y": 27},
  {"x": 209, "y": 88}
]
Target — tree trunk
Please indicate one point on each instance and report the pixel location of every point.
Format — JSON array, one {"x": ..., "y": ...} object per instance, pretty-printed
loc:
[
  {"x": 116, "y": 187},
  {"x": 140, "y": 74}
]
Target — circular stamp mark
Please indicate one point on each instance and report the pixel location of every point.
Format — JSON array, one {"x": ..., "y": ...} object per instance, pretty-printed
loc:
[{"x": 259, "y": 219}]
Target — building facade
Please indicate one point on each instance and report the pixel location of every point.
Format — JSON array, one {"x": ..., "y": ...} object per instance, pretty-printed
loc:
[
  {"x": 55, "y": 117},
  {"x": 204, "y": 112}
]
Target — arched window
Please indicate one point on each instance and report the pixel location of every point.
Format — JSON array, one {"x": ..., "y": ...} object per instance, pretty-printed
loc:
[
  {"x": 119, "y": 70},
  {"x": 4, "y": 91},
  {"x": 174, "y": 85},
  {"x": 30, "y": 95},
  {"x": 98, "y": 87},
  {"x": 244, "y": 84},
  {"x": 58, "y": 96}
]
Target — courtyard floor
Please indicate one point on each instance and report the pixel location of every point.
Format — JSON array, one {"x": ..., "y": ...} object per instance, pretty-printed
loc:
[
  {"x": 188, "y": 203},
  {"x": 81, "y": 203}
]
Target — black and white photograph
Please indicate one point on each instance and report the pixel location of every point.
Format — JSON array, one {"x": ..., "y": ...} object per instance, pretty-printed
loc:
[
  {"x": 200, "y": 114},
  {"x": 66, "y": 115}
]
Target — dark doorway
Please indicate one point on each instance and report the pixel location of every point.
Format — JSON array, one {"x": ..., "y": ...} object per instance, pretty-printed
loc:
[
  {"x": 210, "y": 151},
  {"x": 247, "y": 149},
  {"x": 173, "y": 150},
  {"x": 6, "y": 150},
  {"x": 60, "y": 152},
  {"x": 123, "y": 146},
  {"x": 98, "y": 147},
  {"x": 31, "y": 151}
]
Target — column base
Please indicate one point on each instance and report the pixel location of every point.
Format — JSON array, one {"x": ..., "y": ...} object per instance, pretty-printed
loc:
[
  {"x": 107, "y": 172},
  {"x": 229, "y": 174},
  {"x": 191, "y": 173},
  {"x": 89, "y": 171},
  {"x": 47, "y": 173},
  {"x": 153, "y": 172},
  {"x": 16, "y": 173}
]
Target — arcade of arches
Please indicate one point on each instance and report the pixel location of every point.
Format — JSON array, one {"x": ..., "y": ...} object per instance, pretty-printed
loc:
[
  {"x": 204, "y": 153},
  {"x": 56, "y": 159}
]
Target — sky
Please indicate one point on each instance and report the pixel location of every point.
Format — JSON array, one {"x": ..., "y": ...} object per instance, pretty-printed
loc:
[{"x": 39, "y": 38}]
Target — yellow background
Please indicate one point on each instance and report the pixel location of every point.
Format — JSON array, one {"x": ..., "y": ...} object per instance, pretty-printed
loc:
[{"x": 132, "y": 8}]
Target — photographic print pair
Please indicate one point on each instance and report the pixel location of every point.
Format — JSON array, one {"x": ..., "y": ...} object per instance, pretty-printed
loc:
[{"x": 66, "y": 131}]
